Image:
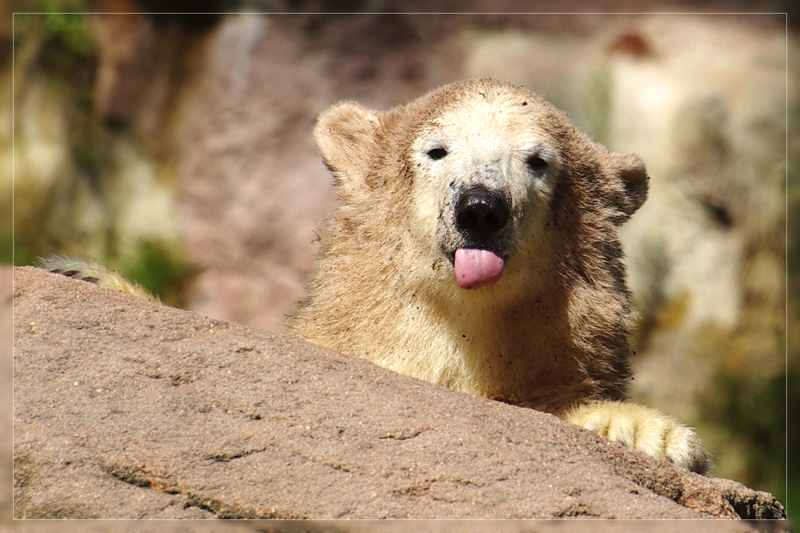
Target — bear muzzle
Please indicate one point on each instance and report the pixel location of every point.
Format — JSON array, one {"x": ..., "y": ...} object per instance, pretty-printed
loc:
[{"x": 481, "y": 217}]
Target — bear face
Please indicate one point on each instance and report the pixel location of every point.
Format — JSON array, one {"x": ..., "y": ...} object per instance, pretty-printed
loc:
[
  {"x": 478, "y": 167},
  {"x": 488, "y": 173},
  {"x": 475, "y": 245}
]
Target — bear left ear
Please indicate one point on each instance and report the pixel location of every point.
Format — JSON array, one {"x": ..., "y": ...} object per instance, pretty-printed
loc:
[
  {"x": 345, "y": 137},
  {"x": 629, "y": 183}
]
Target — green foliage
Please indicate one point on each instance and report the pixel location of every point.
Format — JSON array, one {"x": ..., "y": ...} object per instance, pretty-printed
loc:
[
  {"x": 599, "y": 105},
  {"x": 6, "y": 249},
  {"x": 67, "y": 50},
  {"x": 69, "y": 32},
  {"x": 17, "y": 252},
  {"x": 755, "y": 415},
  {"x": 160, "y": 269},
  {"x": 63, "y": 7},
  {"x": 792, "y": 501}
]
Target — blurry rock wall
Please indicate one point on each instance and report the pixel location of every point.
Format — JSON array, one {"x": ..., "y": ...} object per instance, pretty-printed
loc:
[{"x": 179, "y": 150}]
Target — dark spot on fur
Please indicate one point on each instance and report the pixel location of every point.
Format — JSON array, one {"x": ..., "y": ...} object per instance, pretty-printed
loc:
[{"x": 75, "y": 274}]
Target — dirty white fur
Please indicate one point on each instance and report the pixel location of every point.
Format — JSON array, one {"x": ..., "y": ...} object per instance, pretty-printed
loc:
[{"x": 94, "y": 272}]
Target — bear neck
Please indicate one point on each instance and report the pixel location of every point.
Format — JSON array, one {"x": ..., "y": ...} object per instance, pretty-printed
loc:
[
  {"x": 538, "y": 341},
  {"x": 519, "y": 350}
]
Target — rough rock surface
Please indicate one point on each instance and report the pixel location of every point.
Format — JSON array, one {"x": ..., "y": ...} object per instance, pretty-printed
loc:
[{"x": 124, "y": 409}]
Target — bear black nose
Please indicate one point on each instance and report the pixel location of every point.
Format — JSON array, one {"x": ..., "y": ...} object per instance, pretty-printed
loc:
[{"x": 482, "y": 213}]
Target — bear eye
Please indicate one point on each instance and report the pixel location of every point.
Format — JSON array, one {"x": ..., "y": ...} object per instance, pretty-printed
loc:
[
  {"x": 536, "y": 163},
  {"x": 437, "y": 153}
]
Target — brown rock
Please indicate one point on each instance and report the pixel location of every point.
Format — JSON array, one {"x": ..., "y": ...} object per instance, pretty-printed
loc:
[{"x": 124, "y": 409}]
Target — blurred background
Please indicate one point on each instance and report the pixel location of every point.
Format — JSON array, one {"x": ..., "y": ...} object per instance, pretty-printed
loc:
[{"x": 178, "y": 149}]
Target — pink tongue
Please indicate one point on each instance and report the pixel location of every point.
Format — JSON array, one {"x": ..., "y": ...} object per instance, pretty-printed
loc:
[{"x": 477, "y": 268}]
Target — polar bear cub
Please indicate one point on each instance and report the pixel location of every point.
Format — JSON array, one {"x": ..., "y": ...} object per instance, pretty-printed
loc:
[{"x": 475, "y": 245}]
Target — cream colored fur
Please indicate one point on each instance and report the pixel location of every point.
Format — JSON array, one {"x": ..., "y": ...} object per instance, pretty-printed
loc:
[
  {"x": 94, "y": 272},
  {"x": 643, "y": 429}
]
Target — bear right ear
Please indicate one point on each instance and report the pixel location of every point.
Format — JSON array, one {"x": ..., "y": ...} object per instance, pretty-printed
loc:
[{"x": 345, "y": 137}]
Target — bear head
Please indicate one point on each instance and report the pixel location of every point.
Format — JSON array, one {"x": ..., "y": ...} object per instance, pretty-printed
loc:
[{"x": 478, "y": 178}]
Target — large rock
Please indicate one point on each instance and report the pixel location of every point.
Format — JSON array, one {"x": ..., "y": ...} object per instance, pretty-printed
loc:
[{"x": 125, "y": 409}]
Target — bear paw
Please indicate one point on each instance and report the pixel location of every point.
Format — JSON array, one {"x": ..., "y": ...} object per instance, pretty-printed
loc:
[{"x": 644, "y": 429}]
